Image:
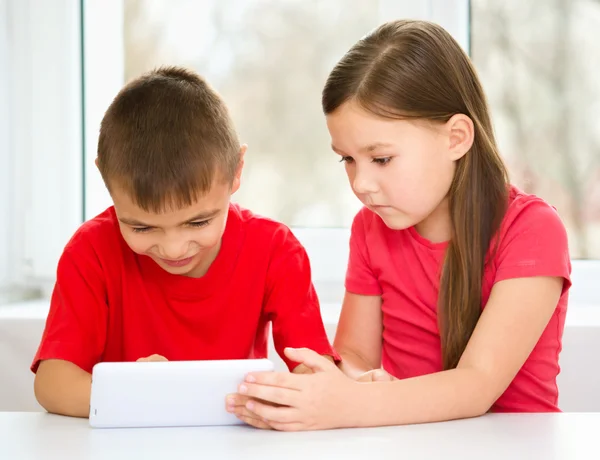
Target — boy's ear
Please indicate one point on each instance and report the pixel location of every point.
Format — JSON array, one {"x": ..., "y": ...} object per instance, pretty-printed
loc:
[
  {"x": 96, "y": 162},
  {"x": 238, "y": 174}
]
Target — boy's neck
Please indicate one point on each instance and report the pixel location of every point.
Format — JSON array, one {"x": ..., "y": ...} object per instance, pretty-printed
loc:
[{"x": 202, "y": 268}]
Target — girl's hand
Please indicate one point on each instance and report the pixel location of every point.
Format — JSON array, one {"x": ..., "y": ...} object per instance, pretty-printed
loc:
[
  {"x": 376, "y": 375},
  {"x": 237, "y": 404},
  {"x": 291, "y": 402}
]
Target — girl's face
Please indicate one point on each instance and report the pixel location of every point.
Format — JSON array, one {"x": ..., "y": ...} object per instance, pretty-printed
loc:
[{"x": 401, "y": 169}]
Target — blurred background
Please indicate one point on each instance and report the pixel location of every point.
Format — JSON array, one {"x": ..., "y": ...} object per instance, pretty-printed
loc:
[{"x": 63, "y": 61}]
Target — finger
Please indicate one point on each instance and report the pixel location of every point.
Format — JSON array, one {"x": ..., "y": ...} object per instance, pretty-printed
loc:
[
  {"x": 235, "y": 400},
  {"x": 152, "y": 358},
  {"x": 278, "y": 379},
  {"x": 302, "y": 369},
  {"x": 234, "y": 406},
  {"x": 310, "y": 359},
  {"x": 243, "y": 411},
  {"x": 256, "y": 423},
  {"x": 381, "y": 376},
  {"x": 273, "y": 414},
  {"x": 366, "y": 377},
  {"x": 270, "y": 394},
  {"x": 157, "y": 358},
  {"x": 294, "y": 426}
]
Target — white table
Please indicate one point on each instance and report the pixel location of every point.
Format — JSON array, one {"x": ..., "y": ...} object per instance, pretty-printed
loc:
[{"x": 572, "y": 436}]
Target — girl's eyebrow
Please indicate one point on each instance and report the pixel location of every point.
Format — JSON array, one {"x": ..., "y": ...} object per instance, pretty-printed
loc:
[{"x": 367, "y": 148}]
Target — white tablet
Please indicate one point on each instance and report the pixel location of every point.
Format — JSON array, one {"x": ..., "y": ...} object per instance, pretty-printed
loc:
[{"x": 162, "y": 394}]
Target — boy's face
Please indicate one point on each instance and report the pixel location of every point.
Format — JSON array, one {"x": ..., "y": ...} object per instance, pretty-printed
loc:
[{"x": 182, "y": 241}]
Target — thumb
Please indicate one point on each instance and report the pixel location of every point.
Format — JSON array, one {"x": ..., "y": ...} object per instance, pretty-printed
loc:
[
  {"x": 381, "y": 376},
  {"x": 310, "y": 359}
]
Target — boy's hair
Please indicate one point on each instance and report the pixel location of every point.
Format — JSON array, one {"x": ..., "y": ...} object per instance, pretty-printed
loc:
[
  {"x": 165, "y": 139},
  {"x": 415, "y": 70}
]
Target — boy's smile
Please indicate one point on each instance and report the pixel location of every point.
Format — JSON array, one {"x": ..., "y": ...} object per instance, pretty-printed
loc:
[{"x": 182, "y": 241}]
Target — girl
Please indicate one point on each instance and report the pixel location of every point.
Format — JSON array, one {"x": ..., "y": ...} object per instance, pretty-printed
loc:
[{"x": 456, "y": 288}]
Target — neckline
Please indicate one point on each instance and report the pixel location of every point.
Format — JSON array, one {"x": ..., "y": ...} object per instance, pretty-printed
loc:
[{"x": 416, "y": 236}]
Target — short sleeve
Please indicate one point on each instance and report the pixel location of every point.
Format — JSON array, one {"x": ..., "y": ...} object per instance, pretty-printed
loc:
[
  {"x": 291, "y": 302},
  {"x": 359, "y": 276},
  {"x": 76, "y": 325},
  {"x": 534, "y": 243}
]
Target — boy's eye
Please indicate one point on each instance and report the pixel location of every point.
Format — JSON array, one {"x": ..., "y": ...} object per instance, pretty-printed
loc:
[
  {"x": 346, "y": 160},
  {"x": 382, "y": 161},
  {"x": 199, "y": 224},
  {"x": 141, "y": 229}
]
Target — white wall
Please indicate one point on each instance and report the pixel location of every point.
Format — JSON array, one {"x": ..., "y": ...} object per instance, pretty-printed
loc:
[{"x": 21, "y": 328}]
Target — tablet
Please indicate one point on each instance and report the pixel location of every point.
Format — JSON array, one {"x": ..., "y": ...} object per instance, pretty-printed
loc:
[{"x": 171, "y": 393}]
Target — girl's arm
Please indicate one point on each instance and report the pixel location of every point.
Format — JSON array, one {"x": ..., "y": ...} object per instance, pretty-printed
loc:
[
  {"x": 358, "y": 336},
  {"x": 511, "y": 324},
  {"x": 515, "y": 317}
]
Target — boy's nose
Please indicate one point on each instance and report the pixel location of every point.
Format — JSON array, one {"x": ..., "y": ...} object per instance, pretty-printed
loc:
[{"x": 174, "y": 251}]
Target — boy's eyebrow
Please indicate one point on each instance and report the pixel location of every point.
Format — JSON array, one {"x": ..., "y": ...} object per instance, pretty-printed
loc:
[{"x": 202, "y": 216}]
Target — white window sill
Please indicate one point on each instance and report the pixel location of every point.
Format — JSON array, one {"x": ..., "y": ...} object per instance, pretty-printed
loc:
[{"x": 578, "y": 314}]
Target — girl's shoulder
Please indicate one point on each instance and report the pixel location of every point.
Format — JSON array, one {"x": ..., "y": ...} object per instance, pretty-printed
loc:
[
  {"x": 532, "y": 240},
  {"x": 529, "y": 214}
]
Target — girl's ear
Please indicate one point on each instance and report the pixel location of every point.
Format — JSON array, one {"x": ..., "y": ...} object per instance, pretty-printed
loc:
[{"x": 461, "y": 134}]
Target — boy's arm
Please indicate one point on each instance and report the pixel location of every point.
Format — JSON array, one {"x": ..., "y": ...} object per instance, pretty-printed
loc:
[
  {"x": 62, "y": 387},
  {"x": 75, "y": 334},
  {"x": 291, "y": 304}
]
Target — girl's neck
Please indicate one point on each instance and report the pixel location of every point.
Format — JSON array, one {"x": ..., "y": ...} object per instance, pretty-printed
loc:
[{"x": 436, "y": 227}]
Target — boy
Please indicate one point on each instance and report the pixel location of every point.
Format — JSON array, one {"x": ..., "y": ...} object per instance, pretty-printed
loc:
[{"x": 172, "y": 271}]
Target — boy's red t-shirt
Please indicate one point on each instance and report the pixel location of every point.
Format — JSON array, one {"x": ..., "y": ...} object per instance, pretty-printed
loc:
[
  {"x": 111, "y": 304},
  {"x": 404, "y": 268}
]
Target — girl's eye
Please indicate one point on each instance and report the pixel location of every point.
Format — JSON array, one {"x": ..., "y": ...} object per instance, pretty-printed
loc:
[
  {"x": 382, "y": 161},
  {"x": 200, "y": 224},
  {"x": 346, "y": 160},
  {"x": 141, "y": 229}
]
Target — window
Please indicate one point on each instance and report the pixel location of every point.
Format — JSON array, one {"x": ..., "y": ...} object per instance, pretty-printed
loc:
[
  {"x": 40, "y": 142},
  {"x": 269, "y": 60},
  {"x": 539, "y": 63}
]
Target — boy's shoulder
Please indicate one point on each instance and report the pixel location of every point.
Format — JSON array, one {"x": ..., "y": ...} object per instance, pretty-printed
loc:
[
  {"x": 98, "y": 232},
  {"x": 264, "y": 230}
]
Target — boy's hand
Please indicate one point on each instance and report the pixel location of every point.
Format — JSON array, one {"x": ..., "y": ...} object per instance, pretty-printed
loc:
[
  {"x": 152, "y": 358},
  {"x": 376, "y": 375}
]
